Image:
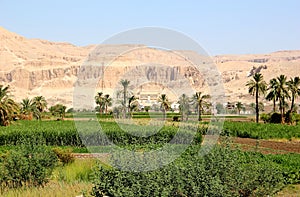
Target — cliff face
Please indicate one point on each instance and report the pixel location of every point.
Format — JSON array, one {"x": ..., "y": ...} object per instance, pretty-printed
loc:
[{"x": 38, "y": 67}]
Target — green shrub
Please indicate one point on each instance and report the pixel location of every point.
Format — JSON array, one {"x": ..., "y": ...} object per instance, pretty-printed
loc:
[
  {"x": 30, "y": 164},
  {"x": 265, "y": 117},
  {"x": 222, "y": 172},
  {"x": 65, "y": 156},
  {"x": 275, "y": 118}
]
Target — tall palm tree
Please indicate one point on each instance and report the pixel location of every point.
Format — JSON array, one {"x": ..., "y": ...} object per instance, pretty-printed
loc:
[
  {"x": 40, "y": 103},
  {"x": 125, "y": 84},
  {"x": 294, "y": 88},
  {"x": 257, "y": 86},
  {"x": 99, "y": 100},
  {"x": 107, "y": 102},
  {"x": 272, "y": 94},
  {"x": 239, "y": 107},
  {"x": 201, "y": 102},
  {"x": 8, "y": 107},
  {"x": 164, "y": 104},
  {"x": 282, "y": 94},
  {"x": 184, "y": 106}
]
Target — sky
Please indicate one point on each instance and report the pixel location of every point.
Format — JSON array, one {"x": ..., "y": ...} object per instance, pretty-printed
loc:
[{"x": 218, "y": 26}]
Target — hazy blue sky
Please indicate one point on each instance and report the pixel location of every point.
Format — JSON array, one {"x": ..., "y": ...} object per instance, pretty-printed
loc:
[{"x": 220, "y": 27}]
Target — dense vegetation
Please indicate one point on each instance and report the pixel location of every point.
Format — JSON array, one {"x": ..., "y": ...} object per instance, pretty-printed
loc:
[{"x": 222, "y": 172}]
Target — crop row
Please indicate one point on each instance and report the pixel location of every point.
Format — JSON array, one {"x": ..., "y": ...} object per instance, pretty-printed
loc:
[
  {"x": 261, "y": 131},
  {"x": 66, "y": 133}
]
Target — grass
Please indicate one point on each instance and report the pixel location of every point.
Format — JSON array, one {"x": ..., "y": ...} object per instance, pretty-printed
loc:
[
  {"x": 289, "y": 191},
  {"x": 70, "y": 180},
  {"x": 52, "y": 189}
]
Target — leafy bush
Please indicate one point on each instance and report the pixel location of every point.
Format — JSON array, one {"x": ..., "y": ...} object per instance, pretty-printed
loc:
[
  {"x": 64, "y": 155},
  {"x": 222, "y": 172},
  {"x": 28, "y": 165},
  {"x": 265, "y": 117},
  {"x": 275, "y": 118}
]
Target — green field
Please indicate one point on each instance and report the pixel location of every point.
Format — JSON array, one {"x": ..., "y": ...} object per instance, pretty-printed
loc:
[{"x": 230, "y": 171}]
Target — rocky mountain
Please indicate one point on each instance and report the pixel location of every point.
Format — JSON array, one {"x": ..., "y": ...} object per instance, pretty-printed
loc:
[{"x": 55, "y": 70}]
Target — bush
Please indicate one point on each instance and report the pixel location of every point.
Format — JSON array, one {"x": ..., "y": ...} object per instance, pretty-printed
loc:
[
  {"x": 275, "y": 118},
  {"x": 265, "y": 117},
  {"x": 28, "y": 165},
  {"x": 64, "y": 155},
  {"x": 222, "y": 172}
]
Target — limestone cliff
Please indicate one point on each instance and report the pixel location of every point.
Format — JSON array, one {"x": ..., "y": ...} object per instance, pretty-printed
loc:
[{"x": 39, "y": 67}]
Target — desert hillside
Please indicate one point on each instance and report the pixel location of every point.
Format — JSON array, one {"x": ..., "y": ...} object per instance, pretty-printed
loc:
[{"x": 39, "y": 67}]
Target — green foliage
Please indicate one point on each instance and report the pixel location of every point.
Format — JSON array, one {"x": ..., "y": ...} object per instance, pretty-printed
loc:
[
  {"x": 261, "y": 131},
  {"x": 79, "y": 170},
  {"x": 64, "y": 155},
  {"x": 58, "y": 110},
  {"x": 64, "y": 133},
  {"x": 275, "y": 118},
  {"x": 222, "y": 172},
  {"x": 30, "y": 164},
  {"x": 290, "y": 166},
  {"x": 265, "y": 117},
  {"x": 8, "y": 107}
]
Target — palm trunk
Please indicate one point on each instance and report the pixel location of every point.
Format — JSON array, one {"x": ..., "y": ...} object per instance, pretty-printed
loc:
[
  {"x": 256, "y": 107},
  {"x": 274, "y": 105},
  {"x": 292, "y": 104},
  {"x": 125, "y": 108},
  {"x": 199, "y": 113}
]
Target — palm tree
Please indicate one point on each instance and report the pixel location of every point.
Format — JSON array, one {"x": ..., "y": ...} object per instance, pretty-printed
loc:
[
  {"x": 282, "y": 94},
  {"x": 201, "y": 102},
  {"x": 58, "y": 109},
  {"x": 125, "y": 84},
  {"x": 99, "y": 100},
  {"x": 8, "y": 107},
  {"x": 184, "y": 106},
  {"x": 132, "y": 104},
  {"x": 107, "y": 102},
  {"x": 257, "y": 86},
  {"x": 40, "y": 103},
  {"x": 294, "y": 87},
  {"x": 239, "y": 107},
  {"x": 272, "y": 95},
  {"x": 29, "y": 109},
  {"x": 164, "y": 104}
]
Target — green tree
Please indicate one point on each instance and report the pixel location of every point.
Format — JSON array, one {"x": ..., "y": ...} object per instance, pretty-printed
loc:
[
  {"x": 29, "y": 109},
  {"x": 184, "y": 106},
  {"x": 58, "y": 109},
  {"x": 107, "y": 102},
  {"x": 220, "y": 108},
  {"x": 294, "y": 88},
  {"x": 8, "y": 107},
  {"x": 257, "y": 86},
  {"x": 239, "y": 107},
  {"x": 272, "y": 94},
  {"x": 99, "y": 100},
  {"x": 201, "y": 102},
  {"x": 125, "y": 83},
  {"x": 164, "y": 104},
  {"x": 282, "y": 94},
  {"x": 40, "y": 103},
  {"x": 133, "y": 104}
]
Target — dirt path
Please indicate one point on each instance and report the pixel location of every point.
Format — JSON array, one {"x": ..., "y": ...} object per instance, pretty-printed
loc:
[{"x": 269, "y": 146}]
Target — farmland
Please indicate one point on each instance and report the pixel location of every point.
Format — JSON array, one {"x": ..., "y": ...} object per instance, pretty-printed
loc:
[{"x": 274, "y": 171}]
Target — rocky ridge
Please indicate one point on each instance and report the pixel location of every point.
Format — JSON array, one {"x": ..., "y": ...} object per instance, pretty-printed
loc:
[{"x": 39, "y": 67}]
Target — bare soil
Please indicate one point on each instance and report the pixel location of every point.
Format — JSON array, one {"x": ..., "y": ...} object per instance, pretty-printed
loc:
[{"x": 268, "y": 146}]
